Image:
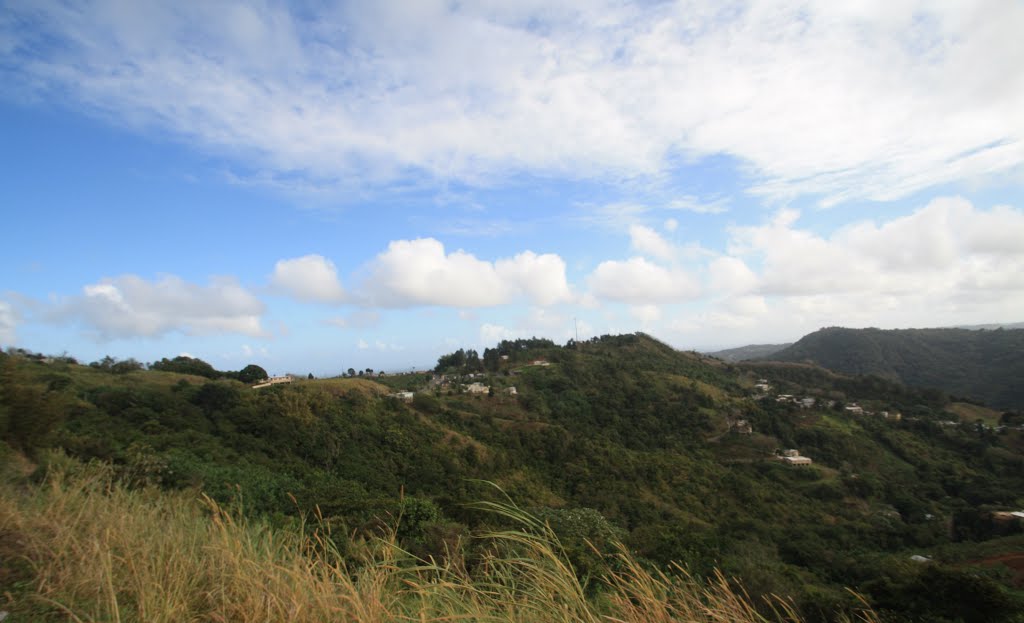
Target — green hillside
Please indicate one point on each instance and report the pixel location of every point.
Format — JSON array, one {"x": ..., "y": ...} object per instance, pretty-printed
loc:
[
  {"x": 979, "y": 365},
  {"x": 753, "y": 351},
  {"x": 620, "y": 438}
]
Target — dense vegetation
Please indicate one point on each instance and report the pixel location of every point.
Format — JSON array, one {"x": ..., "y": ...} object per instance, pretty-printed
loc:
[
  {"x": 980, "y": 365},
  {"x": 752, "y": 351},
  {"x": 85, "y": 547},
  {"x": 615, "y": 439}
]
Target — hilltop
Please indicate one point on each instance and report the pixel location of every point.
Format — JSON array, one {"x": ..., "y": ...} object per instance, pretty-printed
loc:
[
  {"x": 976, "y": 364},
  {"x": 620, "y": 438}
]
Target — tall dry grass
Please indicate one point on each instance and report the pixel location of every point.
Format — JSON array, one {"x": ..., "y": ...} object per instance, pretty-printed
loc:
[{"x": 98, "y": 551}]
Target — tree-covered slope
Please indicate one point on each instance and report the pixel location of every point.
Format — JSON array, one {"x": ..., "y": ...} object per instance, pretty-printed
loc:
[
  {"x": 620, "y": 437},
  {"x": 752, "y": 351},
  {"x": 980, "y": 365}
]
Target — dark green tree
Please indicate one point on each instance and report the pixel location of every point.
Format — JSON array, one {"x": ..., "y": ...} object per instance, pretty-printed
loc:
[
  {"x": 252, "y": 373},
  {"x": 182, "y": 365}
]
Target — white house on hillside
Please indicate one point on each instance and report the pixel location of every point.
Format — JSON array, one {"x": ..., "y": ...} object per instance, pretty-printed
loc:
[
  {"x": 478, "y": 388},
  {"x": 792, "y": 458},
  {"x": 274, "y": 380}
]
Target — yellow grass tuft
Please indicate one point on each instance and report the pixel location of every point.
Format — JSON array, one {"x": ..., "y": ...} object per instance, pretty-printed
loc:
[{"x": 93, "y": 550}]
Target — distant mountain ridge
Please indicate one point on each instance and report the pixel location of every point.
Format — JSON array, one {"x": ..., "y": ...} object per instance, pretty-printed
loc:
[
  {"x": 982, "y": 365},
  {"x": 991, "y": 326},
  {"x": 752, "y": 351}
]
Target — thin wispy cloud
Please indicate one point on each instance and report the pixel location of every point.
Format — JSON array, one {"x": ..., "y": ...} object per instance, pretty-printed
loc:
[
  {"x": 870, "y": 100},
  {"x": 693, "y": 204}
]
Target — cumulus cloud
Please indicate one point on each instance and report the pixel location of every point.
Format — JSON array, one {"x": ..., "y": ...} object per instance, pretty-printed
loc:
[
  {"x": 843, "y": 99},
  {"x": 947, "y": 263},
  {"x": 944, "y": 248},
  {"x": 311, "y": 278},
  {"x": 650, "y": 243},
  {"x": 540, "y": 277},
  {"x": 420, "y": 272},
  {"x": 130, "y": 306},
  {"x": 731, "y": 274},
  {"x": 640, "y": 282}
]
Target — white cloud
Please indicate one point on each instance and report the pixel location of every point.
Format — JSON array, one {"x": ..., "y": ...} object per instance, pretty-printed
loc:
[
  {"x": 645, "y": 314},
  {"x": 847, "y": 100},
  {"x": 8, "y": 323},
  {"x": 730, "y": 274},
  {"x": 419, "y": 272},
  {"x": 640, "y": 282},
  {"x": 387, "y": 346},
  {"x": 695, "y": 205},
  {"x": 130, "y": 306},
  {"x": 947, "y": 263},
  {"x": 612, "y": 216},
  {"x": 650, "y": 243},
  {"x": 944, "y": 248},
  {"x": 360, "y": 319},
  {"x": 540, "y": 277},
  {"x": 537, "y": 321},
  {"x": 670, "y": 225},
  {"x": 311, "y": 278},
  {"x": 248, "y": 351},
  {"x": 491, "y": 334}
]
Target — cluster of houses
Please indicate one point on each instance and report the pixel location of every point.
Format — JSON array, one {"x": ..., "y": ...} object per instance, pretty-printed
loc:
[
  {"x": 475, "y": 388},
  {"x": 983, "y": 425},
  {"x": 855, "y": 409},
  {"x": 809, "y": 402},
  {"x": 804, "y": 402},
  {"x": 480, "y": 388}
]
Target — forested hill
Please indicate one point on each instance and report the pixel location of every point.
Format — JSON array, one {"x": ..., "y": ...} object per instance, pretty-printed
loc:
[
  {"x": 619, "y": 438},
  {"x": 982, "y": 365},
  {"x": 753, "y": 351}
]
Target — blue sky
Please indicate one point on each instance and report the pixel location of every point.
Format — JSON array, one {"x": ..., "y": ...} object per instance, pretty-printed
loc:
[{"x": 313, "y": 187}]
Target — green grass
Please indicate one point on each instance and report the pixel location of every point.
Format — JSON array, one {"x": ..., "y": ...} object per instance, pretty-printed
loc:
[{"x": 970, "y": 413}]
